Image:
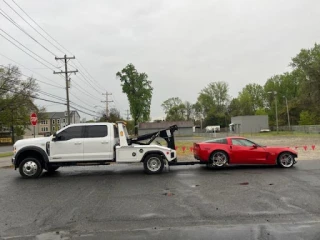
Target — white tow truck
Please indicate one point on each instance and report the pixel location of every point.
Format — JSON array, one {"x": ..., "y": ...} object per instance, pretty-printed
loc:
[{"x": 93, "y": 144}]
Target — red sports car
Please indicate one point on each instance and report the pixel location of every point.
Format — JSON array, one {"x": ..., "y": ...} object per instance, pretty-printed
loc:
[{"x": 238, "y": 150}]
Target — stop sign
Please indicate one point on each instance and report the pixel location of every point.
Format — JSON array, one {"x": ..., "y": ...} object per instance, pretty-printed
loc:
[{"x": 33, "y": 119}]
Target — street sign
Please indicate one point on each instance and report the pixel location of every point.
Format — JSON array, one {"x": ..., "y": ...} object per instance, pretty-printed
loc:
[{"x": 33, "y": 119}]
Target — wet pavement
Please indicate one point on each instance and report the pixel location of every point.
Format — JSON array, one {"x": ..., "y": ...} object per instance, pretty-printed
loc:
[{"x": 188, "y": 202}]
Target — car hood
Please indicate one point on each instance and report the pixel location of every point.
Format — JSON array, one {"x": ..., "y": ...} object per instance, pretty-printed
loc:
[{"x": 32, "y": 141}]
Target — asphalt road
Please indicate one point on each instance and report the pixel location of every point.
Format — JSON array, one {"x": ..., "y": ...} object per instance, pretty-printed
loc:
[
  {"x": 188, "y": 202},
  {"x": 5, "y": 149}
]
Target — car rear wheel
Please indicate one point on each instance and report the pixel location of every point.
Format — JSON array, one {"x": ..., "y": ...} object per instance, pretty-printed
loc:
[
  {"x": 218, "y": 159},
  {"x": 286, "y": 160}
]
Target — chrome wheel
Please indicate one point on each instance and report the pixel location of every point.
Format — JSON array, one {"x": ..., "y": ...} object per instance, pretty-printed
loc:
[
  {"x": 219, "y": 159},
  {"x": 154, "y": 164},
  {"x": 30, "y": 168},
  {"x": 286, "y": 160}
]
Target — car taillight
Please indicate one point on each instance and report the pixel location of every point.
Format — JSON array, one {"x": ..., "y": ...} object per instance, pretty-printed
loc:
[{"x": 196, "y": 147}]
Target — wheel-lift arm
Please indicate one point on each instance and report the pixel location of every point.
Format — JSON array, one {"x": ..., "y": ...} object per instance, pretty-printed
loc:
[{"x": 166, "y": 134}]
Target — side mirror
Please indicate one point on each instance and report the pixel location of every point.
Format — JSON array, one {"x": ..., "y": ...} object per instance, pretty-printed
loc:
[
  {"x": 54, "y": 137},
  {"x": 254, "y": 146}
]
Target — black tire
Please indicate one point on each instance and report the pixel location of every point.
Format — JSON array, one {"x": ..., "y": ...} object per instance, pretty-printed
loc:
[
  {"x": 52, "y": 169},
  {"x": 222, "y": 160},
  {"x": 30, "y": 168},
  {"x": 153, "y": 164},
  {"x": 286, "y": 160}
]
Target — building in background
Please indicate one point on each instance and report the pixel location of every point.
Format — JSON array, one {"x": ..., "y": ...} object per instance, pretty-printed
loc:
[
  {"x": 54, "y": 122},
  {"x": 185, "y": 127},
  {"x": 249, "y": 124}
]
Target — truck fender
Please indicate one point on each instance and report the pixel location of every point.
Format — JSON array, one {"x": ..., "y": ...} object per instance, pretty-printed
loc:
[
  {"x": 38, "y": 150},
  {"x": 153, "y": 152}
]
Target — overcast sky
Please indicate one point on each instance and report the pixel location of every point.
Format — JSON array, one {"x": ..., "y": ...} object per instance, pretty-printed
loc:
[{"x": 181, "y": 44}]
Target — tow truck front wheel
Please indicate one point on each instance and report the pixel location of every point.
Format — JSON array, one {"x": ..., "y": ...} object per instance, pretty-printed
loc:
[
  {"x": 153, "y": 164},
  {"x": 30, "y": 168}
]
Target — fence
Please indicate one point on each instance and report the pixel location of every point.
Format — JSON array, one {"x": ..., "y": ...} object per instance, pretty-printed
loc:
[{"x": 300, "y": 128}]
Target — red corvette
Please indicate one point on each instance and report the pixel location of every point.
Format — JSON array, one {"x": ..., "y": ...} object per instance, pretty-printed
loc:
[{"x": 238, "y": 150}]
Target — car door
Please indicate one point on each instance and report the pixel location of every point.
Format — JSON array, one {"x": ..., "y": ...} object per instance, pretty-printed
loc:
[
  {"x": 67, "y": 145},
  {"x": 247, "y": 152},
  {"x": 97, "y": 144}
]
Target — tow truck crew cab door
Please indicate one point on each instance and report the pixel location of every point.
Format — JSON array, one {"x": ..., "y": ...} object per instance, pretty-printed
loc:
[
  {"x": 244, "y": 152},
  {"x": 67, "y": 145},
  {"x": 98, "y": 143}
]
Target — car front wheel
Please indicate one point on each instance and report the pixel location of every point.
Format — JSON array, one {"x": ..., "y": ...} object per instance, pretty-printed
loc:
[
  {"x": 30, "y": 168},
  {"x": 286, "y": 160}
]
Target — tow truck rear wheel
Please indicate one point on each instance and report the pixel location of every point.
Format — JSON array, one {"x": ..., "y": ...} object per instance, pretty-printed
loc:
[{"x": 153, "y": 164}]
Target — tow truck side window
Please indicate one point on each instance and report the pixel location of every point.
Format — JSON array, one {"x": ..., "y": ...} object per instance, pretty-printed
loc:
[
  {"x": 70, "y": 133},
  {"x": 116, "y": 132},
  {"x": 97, "y": 131}
]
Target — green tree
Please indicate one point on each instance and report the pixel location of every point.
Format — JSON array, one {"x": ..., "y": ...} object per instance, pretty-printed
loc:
[
  {"x": 251, "y": 98},
  {"x": 307, "y": 63},
  {"x": 234, "y": 108},
  {"x": 307, "y": 118},
  {"x": 139, "y": 92},
  {"x": 176, "y": 110},
  {"x": 16, "y": 100}
]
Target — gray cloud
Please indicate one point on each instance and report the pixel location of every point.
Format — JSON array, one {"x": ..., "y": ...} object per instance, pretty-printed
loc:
[{"x": 182, "y": 45}]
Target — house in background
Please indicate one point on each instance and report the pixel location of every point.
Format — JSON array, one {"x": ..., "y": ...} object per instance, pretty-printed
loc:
[{"x": 54, "y": 122}]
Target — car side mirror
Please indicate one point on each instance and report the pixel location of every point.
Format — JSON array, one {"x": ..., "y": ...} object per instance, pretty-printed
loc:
[{"x": 254, "y": 146}]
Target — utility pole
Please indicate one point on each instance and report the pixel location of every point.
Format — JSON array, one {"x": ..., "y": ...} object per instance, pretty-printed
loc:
[
  {"x": 287, "y": 112},
  {"x": 128, "y": 114},
  {"x": 107, "y": 103},
  {"x": 66, "y": 72}
]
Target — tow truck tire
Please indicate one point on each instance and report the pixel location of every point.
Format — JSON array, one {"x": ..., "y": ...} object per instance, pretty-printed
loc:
[
  {"x": 30, "y": 168},
  {"x": 153, "y": 164}
]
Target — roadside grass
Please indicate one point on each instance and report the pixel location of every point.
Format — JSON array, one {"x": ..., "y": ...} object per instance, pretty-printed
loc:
[{"x": 6, "y": 154}]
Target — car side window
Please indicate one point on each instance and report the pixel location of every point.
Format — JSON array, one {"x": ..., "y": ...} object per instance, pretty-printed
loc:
[
  {"x": 242, "y": 142},
  {"x": 97, "y": 131},
  {"x": 236, "y": 142},
  {"x": 70, "y": 133}
]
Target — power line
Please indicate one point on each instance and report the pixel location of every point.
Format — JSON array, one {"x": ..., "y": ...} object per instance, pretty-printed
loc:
[
  {"x": 80, "y": 100},
  {"x": 88, "y": 74},
  {"x": 30, "y": 24},
  {"x": 99, "y": 92},
  {"x": 41, "y": 27},
  {"x": 66, "y": 72},
  {"x": 27, "y": 48},
  {"x": 33, "y": 72},
  {"x": 93, "y": 80},
  {"x": 25, "y": 51},
  {"x": 83, "y": 111},
  {"x": 18, "y": 26},
  {"x": 34, "y": 97}
]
